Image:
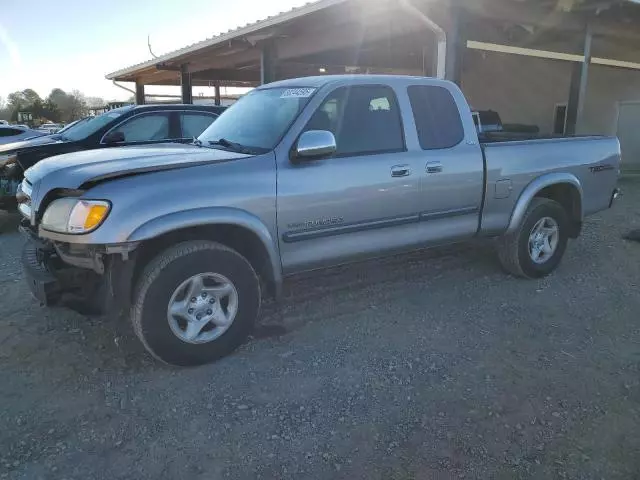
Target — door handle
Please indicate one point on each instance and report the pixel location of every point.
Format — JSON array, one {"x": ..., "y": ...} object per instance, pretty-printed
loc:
[
  {"x": 434, "y": 167},
  {"x": 400, "y": 171}
]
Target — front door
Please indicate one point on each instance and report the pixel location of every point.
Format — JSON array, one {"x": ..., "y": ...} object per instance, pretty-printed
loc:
[{"x": 361, "y": 201}]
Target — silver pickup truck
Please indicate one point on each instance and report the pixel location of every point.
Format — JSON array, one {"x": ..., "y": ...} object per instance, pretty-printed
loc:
[{"x": 300, "y": 174}]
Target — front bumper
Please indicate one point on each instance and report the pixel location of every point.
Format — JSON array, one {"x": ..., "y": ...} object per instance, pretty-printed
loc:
[
  {"x": 54, "y": 281},
  {"x": 44, "y": 286}
]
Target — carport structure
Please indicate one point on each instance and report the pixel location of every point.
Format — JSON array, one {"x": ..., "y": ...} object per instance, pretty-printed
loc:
[{"x": 532, "y": 60}]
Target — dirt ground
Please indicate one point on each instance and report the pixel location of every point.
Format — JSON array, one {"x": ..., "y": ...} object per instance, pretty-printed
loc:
[{"x": 429, "y": 365}]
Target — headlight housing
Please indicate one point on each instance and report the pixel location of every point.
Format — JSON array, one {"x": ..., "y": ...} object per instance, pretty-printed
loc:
[{"x": 74, "y": 215}]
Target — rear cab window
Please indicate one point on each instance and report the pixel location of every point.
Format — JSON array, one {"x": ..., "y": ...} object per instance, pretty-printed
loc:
[{"x": 436, "y": 116}]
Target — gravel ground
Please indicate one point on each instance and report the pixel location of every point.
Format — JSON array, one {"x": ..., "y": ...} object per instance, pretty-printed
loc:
[{"x": 429, "y": 365}]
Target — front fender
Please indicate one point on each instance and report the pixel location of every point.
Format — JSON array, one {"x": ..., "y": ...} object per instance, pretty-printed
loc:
[
  {"x": 213, "y": 216},
  {"x": 536, "y": 186}
]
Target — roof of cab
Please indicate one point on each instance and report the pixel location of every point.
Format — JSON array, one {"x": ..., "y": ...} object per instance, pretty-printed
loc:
[{"x": 321, "y": 81}]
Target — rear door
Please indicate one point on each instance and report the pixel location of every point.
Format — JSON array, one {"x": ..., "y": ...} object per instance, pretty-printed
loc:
[
  {"x": 359, "y": 202},
  {"x": 452, "y": 168},
  {"x": 192, "y": 124},
  {"x": 145, "y": 128}
]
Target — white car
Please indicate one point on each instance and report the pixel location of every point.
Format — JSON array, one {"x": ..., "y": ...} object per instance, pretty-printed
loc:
[
  {"x": 50, "y": 127},
  {"x": 14, "y": 133}
]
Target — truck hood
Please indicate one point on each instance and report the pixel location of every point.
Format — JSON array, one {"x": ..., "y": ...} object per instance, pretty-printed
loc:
[
  {"x": 9, "y": 148},
  {"x": 73, "y": 170}
]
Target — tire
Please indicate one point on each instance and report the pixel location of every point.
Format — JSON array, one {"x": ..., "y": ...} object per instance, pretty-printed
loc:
[
  {"x": 163, "y": 278},
  {"x": 513, "y": 248}
]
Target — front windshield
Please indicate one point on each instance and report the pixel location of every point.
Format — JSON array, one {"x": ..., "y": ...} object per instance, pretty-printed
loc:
[
  {"x": 73, "y": 124},
  {"x": 83, "y": 129},
  {"x": 260, "y": 119}
]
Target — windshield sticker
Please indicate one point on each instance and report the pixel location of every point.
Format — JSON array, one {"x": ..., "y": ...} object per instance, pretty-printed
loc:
[
  {"x": 298, "y": 93},
  {"x": 113, "y": 115}
]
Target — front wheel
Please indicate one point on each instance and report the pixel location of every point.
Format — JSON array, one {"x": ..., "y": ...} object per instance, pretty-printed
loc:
[
  {"x": 195, "y": 303},
  {"x": 536, "y": 248}
]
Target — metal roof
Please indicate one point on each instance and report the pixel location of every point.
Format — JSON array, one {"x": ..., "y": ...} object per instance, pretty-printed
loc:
[
  {"x": 297, "y": 13},
  {"x": 292, "y": 14}
]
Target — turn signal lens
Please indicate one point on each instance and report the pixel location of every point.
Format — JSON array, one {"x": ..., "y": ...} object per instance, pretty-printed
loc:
[
  {"x": 96, "y": 214},
  {"x": 87, "y": 215}
]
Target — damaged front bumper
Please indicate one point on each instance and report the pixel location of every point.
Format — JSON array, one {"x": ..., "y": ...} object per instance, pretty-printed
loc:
[{"x": 96, "y": 279}]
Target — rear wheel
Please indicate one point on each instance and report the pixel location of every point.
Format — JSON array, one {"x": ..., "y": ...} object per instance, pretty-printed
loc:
[
  {"x": 536, "y": 248},
  {"x": 195, "y": 303}
]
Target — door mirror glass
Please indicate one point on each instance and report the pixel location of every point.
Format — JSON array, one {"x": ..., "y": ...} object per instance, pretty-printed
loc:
[
  {"x": 316, "y": 144},
  {"x": 114, "y": 137}
]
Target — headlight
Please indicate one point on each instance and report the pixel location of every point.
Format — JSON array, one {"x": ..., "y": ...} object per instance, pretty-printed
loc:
[{"x": 72, "y": 215}]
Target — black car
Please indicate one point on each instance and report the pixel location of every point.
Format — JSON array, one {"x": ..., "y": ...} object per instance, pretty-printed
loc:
[{"x": 130, "y": 125}]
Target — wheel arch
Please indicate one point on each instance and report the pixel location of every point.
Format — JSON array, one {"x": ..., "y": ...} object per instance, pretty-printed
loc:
[
  {"x": 564, "y": 188},
  {"x": 235, "y": 228}
]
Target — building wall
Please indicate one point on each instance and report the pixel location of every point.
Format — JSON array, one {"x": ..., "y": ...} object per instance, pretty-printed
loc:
[
  {"x": 607, "y": 86},
  {"x": 526, "y": 89},
  {"x": 521, "y": 89}
]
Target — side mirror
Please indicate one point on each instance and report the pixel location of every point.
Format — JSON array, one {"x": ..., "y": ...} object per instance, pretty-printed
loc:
[
  {"x": 114, "y": 137},
  {"x": 315, "y": 144}
]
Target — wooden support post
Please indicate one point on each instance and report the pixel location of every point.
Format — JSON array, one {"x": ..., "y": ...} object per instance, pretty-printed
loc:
[
  {"x": 218, "y": 100},
  {"x": 578, "y": 88},
  {"x": 268, "y": 59},
  {"x": 139, "y": 93},
  {"x": 456, "y": 45},
  {"x": 185, "y": 83}
]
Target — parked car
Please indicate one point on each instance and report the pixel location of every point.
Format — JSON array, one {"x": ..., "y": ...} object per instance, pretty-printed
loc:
[
  {"x": 50, "y": 127},
  {"x": 16, "y": 133},
  {"x": 69, "y": 125},
  {"x": 298, "y": 175},
  {"x": 130, "y": 125}
]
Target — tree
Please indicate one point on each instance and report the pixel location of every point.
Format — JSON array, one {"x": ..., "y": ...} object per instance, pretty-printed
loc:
[
  {"x": 78, "y": 105},
  {"x": 15, "y": 101},
  {"x": 95, "y": 102},
  {"x": 30, "y": 96},
  {"x": 5, "y": 113},
  {"x": 68, "y": 106}
]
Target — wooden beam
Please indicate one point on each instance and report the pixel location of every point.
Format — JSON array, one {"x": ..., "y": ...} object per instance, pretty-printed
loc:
[
  {"x": 347, "y": 36},
  {"x": 220, "y": 59},
  {"x": 528, "y": 13},
  {"x": 568, "y": 57},
  {"x": 227, "y": 74}
]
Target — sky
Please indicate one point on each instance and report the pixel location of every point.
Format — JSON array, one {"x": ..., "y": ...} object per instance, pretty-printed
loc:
[{"x": 73, "y": 44}]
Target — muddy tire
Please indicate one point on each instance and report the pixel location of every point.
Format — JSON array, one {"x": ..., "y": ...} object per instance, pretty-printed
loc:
[
  {"x": 195, "y": 303},
  {"x": 536, "y": 247}
]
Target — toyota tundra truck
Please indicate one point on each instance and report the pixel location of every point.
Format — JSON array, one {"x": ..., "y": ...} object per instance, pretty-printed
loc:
[{"x": 298, "y": 175}]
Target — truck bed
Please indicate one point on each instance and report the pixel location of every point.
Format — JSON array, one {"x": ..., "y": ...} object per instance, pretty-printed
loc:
[{"x": 512, "y": 164}]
